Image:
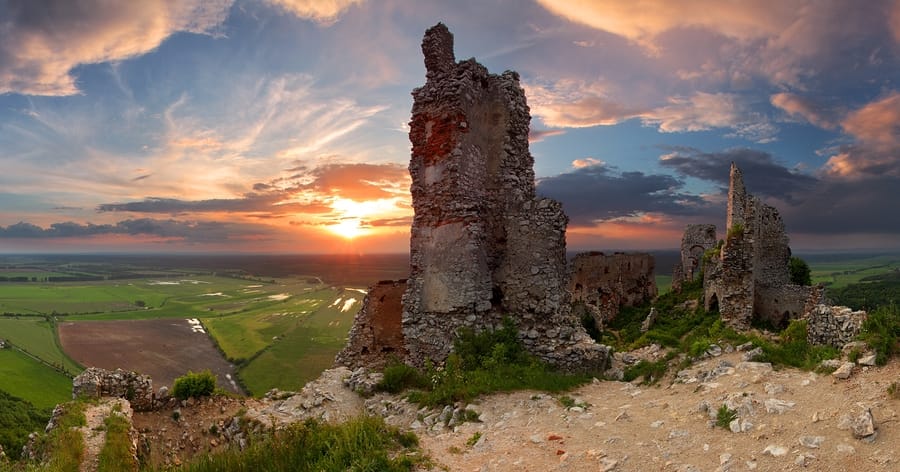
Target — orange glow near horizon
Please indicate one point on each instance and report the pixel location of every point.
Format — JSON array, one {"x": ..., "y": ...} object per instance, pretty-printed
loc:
[{"x": 353, "y": 216}]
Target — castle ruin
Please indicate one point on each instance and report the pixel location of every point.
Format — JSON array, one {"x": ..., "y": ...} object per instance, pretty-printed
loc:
[
  {"x": 604, "y": 283},
  {"x": 749, "y": 278},
  {"x": 696, "y": 241},
  {"x": 483, "y": 246}
]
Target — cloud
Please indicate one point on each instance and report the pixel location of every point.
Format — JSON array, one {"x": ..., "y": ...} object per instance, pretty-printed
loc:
[
  {"x": 643, "y": 21},
  {"x": 187, "y": 231},
  {"x": 578, "y": 104},
  {"x": 321, "y": 11},
  {"x": 360, "y": 182},
  {"x": 895, "y": 20},
  {"x": 877, "y": 123},
  {"x": 538, "y": 135},
  {"x": 42, "y": 41},
  {"x": 806, "y": 108},
  {"x": 575, "y": 104},
  {"x": 762, "y": 174},
  {"x": 251, "y": 203},
  {"x": 704, "y": 111},
  {"x": 595, "y": 193},
  {"x": 877, "y": 147}
]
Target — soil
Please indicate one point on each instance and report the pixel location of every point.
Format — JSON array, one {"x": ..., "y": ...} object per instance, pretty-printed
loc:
[
  {"x": 162, "y": 348},
  {"x": 614, "y": 426}
]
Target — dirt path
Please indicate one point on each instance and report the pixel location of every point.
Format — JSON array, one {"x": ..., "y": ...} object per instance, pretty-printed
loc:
[
  {"x": 94, "y": 432},
  {"x": 638, "y": 428}
]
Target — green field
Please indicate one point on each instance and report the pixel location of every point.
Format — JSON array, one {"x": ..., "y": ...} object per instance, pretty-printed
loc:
[
  {"x": 24, "y": 377},
  {"x": 286, "y": 348},
  {"x": 663, "y": 283},
  {"x": 37, "y": 337},
  {"x": 280, "y": 332},
  {"x": 846, "y": 270}
]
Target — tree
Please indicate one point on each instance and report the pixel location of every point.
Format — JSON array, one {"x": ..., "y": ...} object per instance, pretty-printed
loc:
[{"x": 800, "y": 272}]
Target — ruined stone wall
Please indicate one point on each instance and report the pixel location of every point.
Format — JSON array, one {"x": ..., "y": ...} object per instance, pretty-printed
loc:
[
  {"x": 482, "y": 246},
  {"x": 697, "y": 239},
  {"x": 751, "y": 277},
  {"x": 609, "y": 282},
  {"x": 96, "y": 383},
  {"x": 377, "y": 333},
  {"x": 779, "y": 304},
  {"x": 833, "y": 325}
]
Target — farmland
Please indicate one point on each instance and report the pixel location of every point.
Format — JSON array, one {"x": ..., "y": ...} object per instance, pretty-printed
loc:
[
  {"x": 275, "y": 332},
  {"x": 24, "y": 377}
]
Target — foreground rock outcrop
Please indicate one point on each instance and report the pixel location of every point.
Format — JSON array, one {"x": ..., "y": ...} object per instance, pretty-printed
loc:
[
  {"x": 98, "y": 383},
  {"x": 483, "y": 246}
]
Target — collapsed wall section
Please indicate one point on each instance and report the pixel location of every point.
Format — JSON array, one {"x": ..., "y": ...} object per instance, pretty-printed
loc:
[
  {"x": 377, "y": 334},
  {"x": 605, "y": 283},
  {"x": 697, "y": 239},
  {"x": 95, "y": 383}
]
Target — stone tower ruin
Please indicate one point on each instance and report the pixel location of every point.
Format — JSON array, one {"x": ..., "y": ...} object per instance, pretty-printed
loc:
[
  {"x": 483, "y": 246},
  {"x": 750, "y": 277},
  {"x": 696, "y": 241}
]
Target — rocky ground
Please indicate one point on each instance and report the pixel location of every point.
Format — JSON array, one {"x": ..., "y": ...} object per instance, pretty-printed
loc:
[{"x": 787, "y": 420}]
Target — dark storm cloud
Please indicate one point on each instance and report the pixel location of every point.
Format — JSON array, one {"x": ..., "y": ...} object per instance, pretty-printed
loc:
[
  {"x": 761, "y": 172},
  {"x": 189, "y": 231},
  {"x": 596, "y": 193},
  {"x": 841, "y": 206},
  {"x": 249, "y": 203}
]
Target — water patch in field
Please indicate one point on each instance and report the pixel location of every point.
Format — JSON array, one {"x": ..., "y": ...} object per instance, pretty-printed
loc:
[
  {"x": 217, "y": 294},
  {"x": 348, "y": 304},
  {"x": 279, "y": 297}
]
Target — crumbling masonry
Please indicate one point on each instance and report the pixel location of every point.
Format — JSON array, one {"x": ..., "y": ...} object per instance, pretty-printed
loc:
[
  {"x": 750, "y": 276},
  {"x": 604, "y": 283},
  {"x": 696, "y": 241},
  {"x": 482, "y": 246}
]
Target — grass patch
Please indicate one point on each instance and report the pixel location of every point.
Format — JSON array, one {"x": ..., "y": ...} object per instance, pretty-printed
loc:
[
  {"x": 651, "y": 372},
  {"x": 363, "y": 444},
  {"x": 724, "y": 417},
  {"x": 62, "y": 450},
  {"x": 793, "y": 349},
  {"x": 881, "y": 331},
  {"x": 486, "y": 362},
  {"x": 28, "y": 379},
  {"x": 37, "y": 336},
  {"x": 116, "y": 453},
  {"x": 18, "y": 418}
]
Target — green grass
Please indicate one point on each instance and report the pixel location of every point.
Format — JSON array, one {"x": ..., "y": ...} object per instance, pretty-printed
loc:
[
  {"x": 302, "y": 351},
  {"x": 364, "y": 444},
  {"x": 881, "y": 331},
  {"x": 37, "y": 336},
  {"x": 663, "y": 283},
  {"x": 23, "y": 377},
  {"x": 846, "y": 270},
  {"x": 62, "y": 450},
  {"x": 116, "y": 453},
  {"x": 18, "y": 418},
  {"x": 724, "y": 417},
  {"x": 486, "y": 362}
]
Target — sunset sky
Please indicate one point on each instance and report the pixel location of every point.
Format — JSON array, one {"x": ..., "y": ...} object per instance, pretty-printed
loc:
[{"x": 281, "y": 125}]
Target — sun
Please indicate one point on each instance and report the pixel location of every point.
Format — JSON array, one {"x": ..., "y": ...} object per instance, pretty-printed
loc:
[{"x": 348, "y": 228}]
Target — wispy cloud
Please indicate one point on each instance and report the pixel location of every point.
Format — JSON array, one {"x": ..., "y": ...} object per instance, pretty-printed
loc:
[
  {"x": 805, "y": 108},
  {"x": 42, "y": 42},
  {"x": 321, "y": 11}
]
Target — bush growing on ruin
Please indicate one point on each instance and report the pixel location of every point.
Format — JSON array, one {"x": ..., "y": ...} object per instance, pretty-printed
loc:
[
  {"x": 399, "y": 377},
  {"x": 736, "y": 231},
  {"x": 194, "y": 384},
  {"x": 881, "y": 331},
  {"x": 800, "y": 273}
]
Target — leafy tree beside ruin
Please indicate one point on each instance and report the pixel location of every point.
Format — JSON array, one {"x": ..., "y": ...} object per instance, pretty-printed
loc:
[{"x": 800, "y": 272}]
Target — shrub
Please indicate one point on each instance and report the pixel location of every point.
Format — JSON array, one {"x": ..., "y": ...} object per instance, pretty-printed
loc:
[
  {"x": 736, "y": 231},
  {"x": 881, "y": 331},
  {"x": 800, "y": 272},
  {"x": 725, "y": 416},
  {"x": 650, "y": 371},
  {"x": 399, "y": 377},
  {"x": 194, "y": 384},
  {"x": 474, "y": 439}
]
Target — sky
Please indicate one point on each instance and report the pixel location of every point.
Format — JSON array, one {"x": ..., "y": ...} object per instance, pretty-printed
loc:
[{"x": 280, "y": 126}]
